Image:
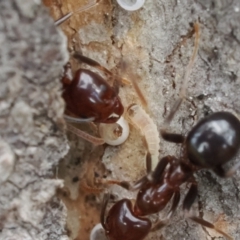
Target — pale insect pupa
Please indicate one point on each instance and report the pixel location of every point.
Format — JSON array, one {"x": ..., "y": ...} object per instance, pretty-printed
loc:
[
  {"x": 98, "y": 233},
  {"x": 142, "y": 121},
  {"x": 115, "y": 133}
]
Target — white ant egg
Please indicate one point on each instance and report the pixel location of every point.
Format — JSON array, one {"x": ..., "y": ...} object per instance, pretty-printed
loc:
[
  {"x": 115, "y": 133},
  {"x": 97, "y": 233},
  {"x": 129, "y": 6}
]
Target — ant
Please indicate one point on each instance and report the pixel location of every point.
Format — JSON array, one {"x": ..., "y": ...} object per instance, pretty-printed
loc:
[
  {"x": 212, "y": 142},
  {"x": 89, "y": 97}
]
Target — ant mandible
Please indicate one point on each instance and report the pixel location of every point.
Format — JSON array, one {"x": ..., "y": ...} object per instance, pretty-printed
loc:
[{"x": 211, "y": 143}]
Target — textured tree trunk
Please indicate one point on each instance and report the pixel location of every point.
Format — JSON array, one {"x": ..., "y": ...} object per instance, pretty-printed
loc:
[
  {"x": 155, "y": 45},
  {"x": 32, "y": 53}
]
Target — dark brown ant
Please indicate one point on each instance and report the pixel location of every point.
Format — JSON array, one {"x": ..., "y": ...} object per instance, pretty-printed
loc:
[
  {"x": 127, "y": 221},
  {"x": 214, "y": 141},
  {"x": 89, "y": 97}
]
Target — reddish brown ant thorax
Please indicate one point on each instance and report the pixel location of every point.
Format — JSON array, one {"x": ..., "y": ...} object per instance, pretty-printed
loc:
[
  {"x": 155, "y": 195},
  {"x": 152, "y": 198},
  {"x": 88, "y": 95}
]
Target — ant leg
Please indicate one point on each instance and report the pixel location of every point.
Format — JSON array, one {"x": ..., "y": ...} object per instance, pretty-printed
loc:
[
  {"x": 187, "y": 203},
  {"x": 190, "y": 197},
  {"x": 91, "y": 62},
  {"x": 148, "y": 163},
  {"x": 147, "y": 177},
  {"x": 175, "y": 203},
  {"x": 81, "y": 9},
  {"x": 156, "y": 175},
  {"x": 172, "y": 137},
  {"x": 85, "y": 136},
  {"x": 103, "y": 210},
  {"x": 207, "y": 224},
  {"x": 83, "y": 185},
  {"x": 158, "y": 225},
  {"x": 78, "y": 120},
  {"x": 123, "y": 184}
]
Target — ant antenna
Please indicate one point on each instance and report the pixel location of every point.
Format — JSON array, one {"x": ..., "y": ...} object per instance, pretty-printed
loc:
[
  {"x": 182, "y": 94},
  {"x": 81, "y": 9},
  {"x": 94, "y": 140}
]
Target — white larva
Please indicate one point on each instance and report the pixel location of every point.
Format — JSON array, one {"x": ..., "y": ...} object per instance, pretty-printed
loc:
[
  {"x": 141, "y": 120},
  {"x": 129, "y": 6},
  {"x": 97, "y": 233},
  {"x": 116, "y": 133}
]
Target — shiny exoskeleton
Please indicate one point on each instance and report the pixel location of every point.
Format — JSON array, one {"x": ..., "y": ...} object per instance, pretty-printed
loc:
[
  {"x": 214, "y": 141},
  {"x": 89, "y": 96},
  {"x": 123, "y": 223}
]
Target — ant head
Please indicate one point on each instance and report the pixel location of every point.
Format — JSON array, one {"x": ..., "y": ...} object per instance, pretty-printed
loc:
[{"x": 214, "y": 141}]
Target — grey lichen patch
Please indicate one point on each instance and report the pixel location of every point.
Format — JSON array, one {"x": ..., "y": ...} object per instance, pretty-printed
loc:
[
  {"x": 22, "y": 118},
  {"x": 33, "y": 198},
  {"x": 7, "y": 160}
]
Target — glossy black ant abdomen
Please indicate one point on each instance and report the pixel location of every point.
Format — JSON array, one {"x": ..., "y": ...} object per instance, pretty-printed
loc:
[
  {"x": 211, "y": 143},
  {"x": 214, "y": 141}
]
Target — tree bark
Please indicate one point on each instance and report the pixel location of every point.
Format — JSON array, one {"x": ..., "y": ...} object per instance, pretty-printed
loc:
[
  {"x": 32, "y": 53},
  {"x": 152, "y": 45}
]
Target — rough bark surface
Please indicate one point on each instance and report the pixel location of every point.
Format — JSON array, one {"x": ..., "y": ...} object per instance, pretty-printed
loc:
[
  {"x": 32, "y": 53},
  {"x": 150, "y": 43}
]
